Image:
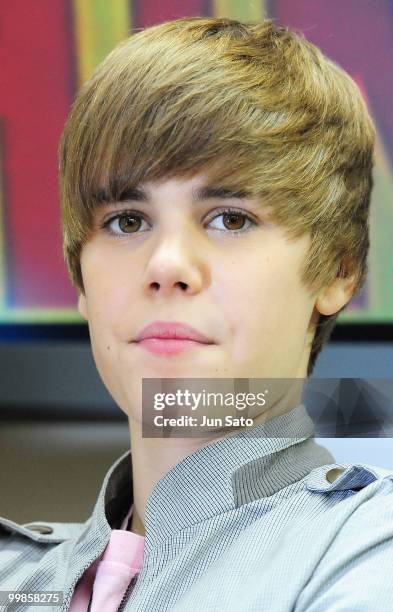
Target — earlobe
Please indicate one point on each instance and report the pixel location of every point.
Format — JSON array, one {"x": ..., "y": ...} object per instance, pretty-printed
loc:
[
  {"x": 82, "y": 306},
  {"x": 333, "y": 298}
]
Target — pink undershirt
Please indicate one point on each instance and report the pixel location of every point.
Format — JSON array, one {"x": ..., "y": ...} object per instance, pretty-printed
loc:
[{"x": 111, "y": 573}]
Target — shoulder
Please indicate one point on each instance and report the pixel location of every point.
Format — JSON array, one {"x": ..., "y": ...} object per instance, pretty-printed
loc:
[
  {"x": 355, "y": 569},
  {"x": 23, "y": 546},
  {"x": 363, "y": 493},
  {"x": 371, "y": 519}
]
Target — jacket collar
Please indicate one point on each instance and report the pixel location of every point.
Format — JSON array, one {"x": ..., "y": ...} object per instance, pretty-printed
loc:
[{"x": 216, "y": 478}]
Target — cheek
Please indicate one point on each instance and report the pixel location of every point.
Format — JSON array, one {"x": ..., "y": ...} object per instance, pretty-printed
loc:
[
  {"x": 105, "y": 338},
  {"x": 264, "y": 300},
  {"x": 255, "y": 290},
  {"x": 109, "y": 289}
]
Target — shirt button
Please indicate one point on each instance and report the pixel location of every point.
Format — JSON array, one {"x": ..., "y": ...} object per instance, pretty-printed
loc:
[{"x": 40, "y": 528}]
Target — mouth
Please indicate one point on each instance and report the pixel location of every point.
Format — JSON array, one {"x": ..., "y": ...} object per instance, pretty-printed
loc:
[
  {"x": 169, "y": 346},
  {"x": 171, "y": 338}
]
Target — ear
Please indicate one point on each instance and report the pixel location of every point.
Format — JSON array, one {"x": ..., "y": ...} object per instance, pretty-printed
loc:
[
  {"x": 82, "y": 306},
  {"x": 337, "y": 294}
]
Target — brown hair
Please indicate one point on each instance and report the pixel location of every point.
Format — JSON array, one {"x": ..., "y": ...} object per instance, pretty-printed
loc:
[{"x": 254, "y": 106}]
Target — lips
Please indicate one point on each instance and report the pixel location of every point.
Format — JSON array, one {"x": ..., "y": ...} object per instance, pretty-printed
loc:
[{"x": 172, "y": 330}]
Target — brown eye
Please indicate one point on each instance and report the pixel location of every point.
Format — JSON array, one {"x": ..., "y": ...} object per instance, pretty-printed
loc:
[
  {"x": 129, "y": 223},
  {"x": 233, "y": 221}
]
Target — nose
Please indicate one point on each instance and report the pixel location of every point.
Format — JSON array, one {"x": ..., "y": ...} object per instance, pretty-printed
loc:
[{"x": 177, "y": 264}]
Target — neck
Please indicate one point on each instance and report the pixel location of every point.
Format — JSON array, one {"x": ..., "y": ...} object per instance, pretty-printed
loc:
[{"x": 137, "y": 525}]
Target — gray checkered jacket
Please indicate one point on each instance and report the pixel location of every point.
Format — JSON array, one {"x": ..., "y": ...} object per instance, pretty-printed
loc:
[{"x": 249, "y": 523}]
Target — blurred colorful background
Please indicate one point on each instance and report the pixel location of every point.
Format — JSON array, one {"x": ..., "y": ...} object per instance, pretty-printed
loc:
[{"x": 50, "y": 47}]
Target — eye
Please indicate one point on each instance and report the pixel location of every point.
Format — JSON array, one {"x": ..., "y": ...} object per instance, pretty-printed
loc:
[
  {"x": 128, "y": 222},
  {"x": 234, "y": 220}
]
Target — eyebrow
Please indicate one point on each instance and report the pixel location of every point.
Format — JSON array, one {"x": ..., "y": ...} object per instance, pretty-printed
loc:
[{"x": 200, "y": 194}]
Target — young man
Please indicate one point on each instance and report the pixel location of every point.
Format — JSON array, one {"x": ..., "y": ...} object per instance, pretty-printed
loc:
[{"x": 216, "y": 175}]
